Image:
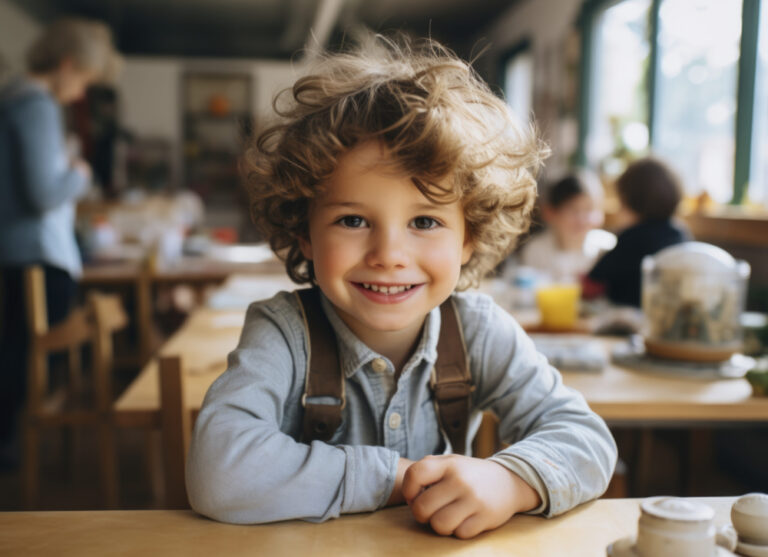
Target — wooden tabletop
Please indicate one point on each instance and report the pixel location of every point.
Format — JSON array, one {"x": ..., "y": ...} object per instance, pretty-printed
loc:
[
  {"x": 203, "y": 341},
  {"x": 585, "y": 531},
  {"x": 623, "y": 395},
  {"x": 617, "y": 394}
]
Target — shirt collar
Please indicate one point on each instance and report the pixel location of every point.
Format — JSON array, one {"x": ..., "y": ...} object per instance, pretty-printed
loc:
[{"x": 354, "y": 354}]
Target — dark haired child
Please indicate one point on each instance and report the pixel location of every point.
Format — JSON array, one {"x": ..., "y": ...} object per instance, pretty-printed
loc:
[{"x": 649, "y": 193}]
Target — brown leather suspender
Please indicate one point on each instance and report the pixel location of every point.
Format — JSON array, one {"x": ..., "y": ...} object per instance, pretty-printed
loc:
[
  {"x": 451, "y": 381},
  {"x": 324, "y": 377}
]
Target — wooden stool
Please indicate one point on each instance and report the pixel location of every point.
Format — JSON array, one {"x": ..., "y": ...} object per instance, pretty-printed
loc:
[{"x": 68, "y": 408}]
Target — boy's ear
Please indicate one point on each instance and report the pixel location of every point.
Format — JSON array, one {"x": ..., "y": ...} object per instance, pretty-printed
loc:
[{"x": 306, "y": 248}]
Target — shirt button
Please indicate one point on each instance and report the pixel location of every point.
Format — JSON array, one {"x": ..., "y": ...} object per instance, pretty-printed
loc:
[
  {"x": 379, "y": 365},
  {"x": 394, "y": 420}
]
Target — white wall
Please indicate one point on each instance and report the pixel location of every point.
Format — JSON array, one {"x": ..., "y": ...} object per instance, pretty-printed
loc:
[
  {"x": 148, "y": 90},
  {"x": 17, "y": 31},
  {"x": 150, "y": 96}
]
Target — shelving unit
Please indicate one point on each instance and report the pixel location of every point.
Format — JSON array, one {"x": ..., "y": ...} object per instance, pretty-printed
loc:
[{"x": 216, "y": 115}]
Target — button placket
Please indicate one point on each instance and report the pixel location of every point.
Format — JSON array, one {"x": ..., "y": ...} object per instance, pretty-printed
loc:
[{"x": 394, "y": 423}]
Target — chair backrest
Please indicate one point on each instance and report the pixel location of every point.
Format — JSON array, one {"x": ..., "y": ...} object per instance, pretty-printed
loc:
[
  {"x": 69, "y": 334},
  {"x": 95, "y": 323},
  {"x": 107, "y": 315},
  {"x": 176, "y": 430}
]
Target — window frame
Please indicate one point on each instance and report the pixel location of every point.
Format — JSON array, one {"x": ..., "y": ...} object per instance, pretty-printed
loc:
[
  {"x": 745, "y": 87},
  {"x": 523, "y": 46}
]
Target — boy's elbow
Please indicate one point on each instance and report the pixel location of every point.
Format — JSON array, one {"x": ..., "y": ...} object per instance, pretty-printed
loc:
[
  {"x": 230, "y": 496},
  {"x": 208, "y": 494},
  {"x": 605, "y": 456},
  {"x": 222, "y": 496}
]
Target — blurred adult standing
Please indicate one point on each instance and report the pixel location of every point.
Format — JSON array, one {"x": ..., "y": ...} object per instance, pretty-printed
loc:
[{"x": 41, "y": 177}]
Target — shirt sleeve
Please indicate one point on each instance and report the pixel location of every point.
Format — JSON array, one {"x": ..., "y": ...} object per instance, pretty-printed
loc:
[
  {"x": 548, "y": 426},
  {"x": 48, "y": 179},
  {"x": 243, "y": 465}
]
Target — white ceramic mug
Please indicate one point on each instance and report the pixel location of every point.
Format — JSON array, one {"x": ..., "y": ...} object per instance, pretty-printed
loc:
[{"x": 673, "y": 527}]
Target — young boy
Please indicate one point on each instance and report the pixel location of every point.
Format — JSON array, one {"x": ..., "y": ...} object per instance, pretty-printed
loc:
[
  {"x": 649, "y": 193},
  {"x": 395, "y": 178}
]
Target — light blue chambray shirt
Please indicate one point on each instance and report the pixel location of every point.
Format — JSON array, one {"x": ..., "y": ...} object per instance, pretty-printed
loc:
[{"x": 246, "y": 466}]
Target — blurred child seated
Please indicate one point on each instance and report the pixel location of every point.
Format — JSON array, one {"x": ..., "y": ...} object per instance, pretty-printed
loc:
[
  {"x": 649, "y": 193},
  {"x": 572, "y": 242}
]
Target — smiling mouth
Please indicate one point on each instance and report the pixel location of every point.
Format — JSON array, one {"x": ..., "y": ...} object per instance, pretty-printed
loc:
[{"x": 384, "y": 289}]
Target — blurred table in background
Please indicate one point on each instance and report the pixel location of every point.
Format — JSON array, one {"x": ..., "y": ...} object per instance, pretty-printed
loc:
[
  {"x": 147, "y": 278},
  {"x": 203, "y": 342}
]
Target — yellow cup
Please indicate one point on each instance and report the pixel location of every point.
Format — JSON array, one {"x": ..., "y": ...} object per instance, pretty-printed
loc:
[{"x": 558, "y": 305}]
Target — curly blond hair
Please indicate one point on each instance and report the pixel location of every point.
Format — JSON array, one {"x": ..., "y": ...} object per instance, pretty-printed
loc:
[{"x": 436, "y": 118}]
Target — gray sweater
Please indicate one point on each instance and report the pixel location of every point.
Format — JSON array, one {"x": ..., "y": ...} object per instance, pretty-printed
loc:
[{"x": 38, "y": 186}]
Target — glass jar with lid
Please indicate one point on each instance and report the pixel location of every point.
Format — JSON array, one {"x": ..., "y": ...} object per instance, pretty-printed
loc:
[{"x": 693, "y": 295}]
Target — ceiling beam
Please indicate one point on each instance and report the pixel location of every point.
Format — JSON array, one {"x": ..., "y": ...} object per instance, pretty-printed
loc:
[{"x": 326, "y": 16}]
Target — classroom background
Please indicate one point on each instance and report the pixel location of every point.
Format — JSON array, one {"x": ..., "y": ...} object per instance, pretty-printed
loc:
[{"x": 165, "y": 233}]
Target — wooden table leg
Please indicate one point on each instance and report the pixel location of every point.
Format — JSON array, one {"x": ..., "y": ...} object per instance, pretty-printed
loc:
[
  {"x": 698, "y": 462},
  {"x": 144, "y": 315},
  {"x": 643, "y": 462}
]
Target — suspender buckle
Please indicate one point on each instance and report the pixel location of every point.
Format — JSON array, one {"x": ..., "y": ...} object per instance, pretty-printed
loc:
[{"x": 342, "y": 402}]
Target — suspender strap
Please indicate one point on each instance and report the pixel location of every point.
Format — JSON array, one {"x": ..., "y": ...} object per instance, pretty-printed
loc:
[
  {"x": 323, "y": 377},
  {"x": 451, "y": 381}
]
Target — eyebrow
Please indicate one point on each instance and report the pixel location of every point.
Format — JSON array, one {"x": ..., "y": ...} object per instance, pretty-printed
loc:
[{"x": 353, "y": 205}]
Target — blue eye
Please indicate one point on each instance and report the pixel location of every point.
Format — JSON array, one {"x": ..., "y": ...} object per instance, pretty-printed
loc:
[
  {"x": 352, "y": 221},
  {"x": 424, "y": 223}
]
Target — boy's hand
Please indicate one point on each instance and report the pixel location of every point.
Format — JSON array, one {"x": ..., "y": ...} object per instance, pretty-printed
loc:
[{"x": 465, "y": 496}]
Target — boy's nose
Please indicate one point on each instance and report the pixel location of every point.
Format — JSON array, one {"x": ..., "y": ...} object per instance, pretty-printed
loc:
[{"x": 387, "y": 249}]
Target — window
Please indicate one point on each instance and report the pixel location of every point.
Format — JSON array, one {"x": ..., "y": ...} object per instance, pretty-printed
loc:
[
  {"x": 696, "y": 92},
  {"x": 685, "y": 79},
  {"x": 619, "y": 102},
  {"x": 758, "y": 183},
  {"x": 518, "y": 81}
]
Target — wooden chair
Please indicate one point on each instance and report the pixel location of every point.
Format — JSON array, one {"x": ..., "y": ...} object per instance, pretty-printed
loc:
[
  {"x": 176, "y": 423},
  {"x": 69, "y": 407}
]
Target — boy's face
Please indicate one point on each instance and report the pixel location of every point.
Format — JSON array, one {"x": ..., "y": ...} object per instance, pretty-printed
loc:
[{"x": 383, "y": 254}]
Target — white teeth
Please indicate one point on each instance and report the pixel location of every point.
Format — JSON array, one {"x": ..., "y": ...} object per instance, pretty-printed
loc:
[{"x": 386, "y": 289}]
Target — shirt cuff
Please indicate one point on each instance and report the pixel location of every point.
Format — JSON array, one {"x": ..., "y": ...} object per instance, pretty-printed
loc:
[
  {"x": 369, "y": 477},
  {"x": 528, "y": 474}
]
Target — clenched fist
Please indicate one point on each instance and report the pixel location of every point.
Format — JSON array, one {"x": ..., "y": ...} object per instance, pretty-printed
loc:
[{"x": 461, "y": 495}]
